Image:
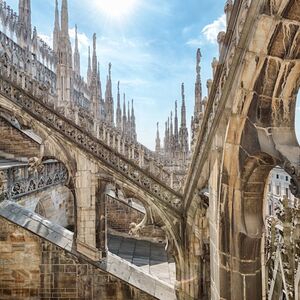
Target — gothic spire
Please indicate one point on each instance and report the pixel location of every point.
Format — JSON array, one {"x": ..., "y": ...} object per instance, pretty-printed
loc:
[
  {"x": 64, "y": 69},
  {"x": 183, "y": 108},
  {"x": 128, "y": 120},
  {"x": 198, "y": 86},
  {"x": 25, "y": 20},
  {"x": 109, "y": 102},
  {"x": 133, "y": 126},
  {"x": 108, "y": 93},
  {"x": 119, "y": 112},
  {"x": 166, "y": 138},
  {"x": 157, "y": 141},
  {"x": 94, "y": 58},
  {"x": 64, "y": 48},
  {"x": 56, "y": 30},
  {"x": 183, "y": 132},
  {"x": 132, "y": 110},
  {"x": 176, "y": 127},
  {"x": 89, "y": 70},
  {"x": 124, "y": 126},
  {"x": 64, "y": 19},
  {"x": 171, "y": 136},
  {"x": 76, "y": 54}
]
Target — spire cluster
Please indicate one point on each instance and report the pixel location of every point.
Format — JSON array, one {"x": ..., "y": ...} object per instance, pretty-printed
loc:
[
  {"x": 71, "y": 86},
  {"x": 176, "y": 139}
]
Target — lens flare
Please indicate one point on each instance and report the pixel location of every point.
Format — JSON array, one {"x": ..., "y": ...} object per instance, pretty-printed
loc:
[{"x": 117, "y": 9}]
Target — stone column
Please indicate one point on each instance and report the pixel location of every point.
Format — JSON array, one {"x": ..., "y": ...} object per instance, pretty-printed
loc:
[
  {"x": 132, "y": 151},
  {"x": 114, "y": 140},
  {"x": 213, "y": 230},
  {"x": 119, "y": 143},
  {"x": 104, "y": 133},
  {"x": 86, "y": 185},
  {"x": 101, "y": 215},
  {"x": 123, "y": 146}
]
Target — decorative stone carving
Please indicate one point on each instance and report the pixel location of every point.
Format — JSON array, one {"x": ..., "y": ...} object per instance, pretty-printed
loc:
[{"x": 20, "y": 181}]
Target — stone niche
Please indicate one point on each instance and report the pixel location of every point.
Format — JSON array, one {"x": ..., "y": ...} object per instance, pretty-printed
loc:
[{"x": 32, "y": 268}]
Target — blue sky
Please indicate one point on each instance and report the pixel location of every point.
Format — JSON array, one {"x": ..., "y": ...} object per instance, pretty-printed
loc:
[{"x": 151, "y": 44}]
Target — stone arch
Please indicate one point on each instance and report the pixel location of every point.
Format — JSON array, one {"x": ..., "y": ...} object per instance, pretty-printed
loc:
[
  {"x": 155, "y": 214},
  {"x": 259, "y": 136}
]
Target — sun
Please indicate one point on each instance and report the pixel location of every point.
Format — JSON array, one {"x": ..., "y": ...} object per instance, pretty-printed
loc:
[{"x": 117, "y": 9}]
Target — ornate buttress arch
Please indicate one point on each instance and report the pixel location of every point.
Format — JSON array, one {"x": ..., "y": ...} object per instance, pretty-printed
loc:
[{"x": 260, "y": 135}]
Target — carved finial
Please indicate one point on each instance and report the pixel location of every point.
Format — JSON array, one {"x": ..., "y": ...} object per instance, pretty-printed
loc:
[
  {"x": 198, "y": 61},
  {"x": 94, "y": 41},
  {"x": 109, "y": 71}
]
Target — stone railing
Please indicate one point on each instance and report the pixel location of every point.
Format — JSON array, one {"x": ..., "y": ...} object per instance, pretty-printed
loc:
[
  {"x": 282, "y": 251},
  {"x": 16, "y": 182},
  {"x": 33, "y": 99},
  {"x": 231, "y": 44}
]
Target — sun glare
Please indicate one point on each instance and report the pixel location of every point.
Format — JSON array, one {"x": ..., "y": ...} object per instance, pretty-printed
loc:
[{"x": 117, "y": 8}]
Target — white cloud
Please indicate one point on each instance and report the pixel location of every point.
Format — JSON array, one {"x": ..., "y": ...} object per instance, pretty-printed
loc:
[
  {"x": 211, "y": 31},
  {"x": 83, "y": 40}
]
